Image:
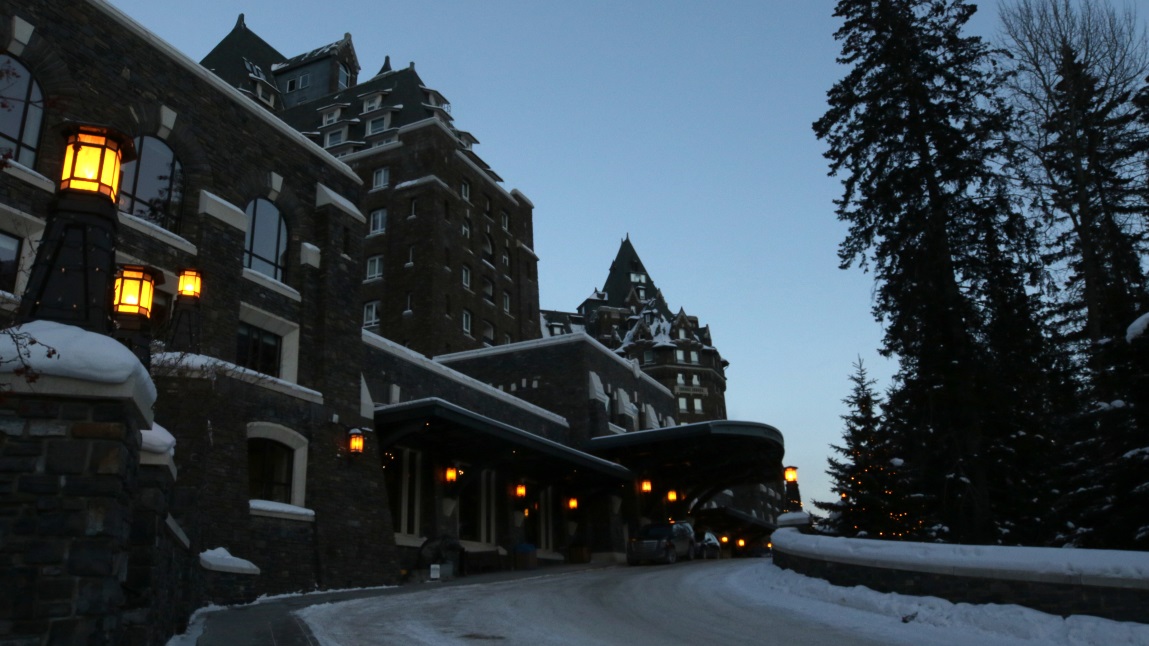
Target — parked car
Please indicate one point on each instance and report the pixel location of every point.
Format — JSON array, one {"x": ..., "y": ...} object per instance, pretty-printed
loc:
[
  {"x": 665, "y": 542},
  {"x": 707, "y": 546}
]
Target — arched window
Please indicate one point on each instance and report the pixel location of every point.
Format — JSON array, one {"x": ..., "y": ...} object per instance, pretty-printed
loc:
[
  {"x": 266, "y": 248},
  {"x": 269, "y": 470},
  {"x": 21, "y": 111},
  {"x": 152, "y": 186}
]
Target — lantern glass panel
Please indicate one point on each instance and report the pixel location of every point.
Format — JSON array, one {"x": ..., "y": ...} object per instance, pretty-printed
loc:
[{"x": 134, "y": 291}]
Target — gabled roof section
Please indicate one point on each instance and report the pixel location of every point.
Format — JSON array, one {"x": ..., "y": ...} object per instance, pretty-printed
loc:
[
  {"x": 226, "y": 59},
  {"x": 343, "y": 47}
]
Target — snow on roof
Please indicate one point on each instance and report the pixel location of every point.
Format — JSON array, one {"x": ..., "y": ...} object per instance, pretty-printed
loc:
[{"x": 199, "y": 365}]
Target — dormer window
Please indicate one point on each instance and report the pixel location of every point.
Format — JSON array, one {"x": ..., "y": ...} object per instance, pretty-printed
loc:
[
  {"x": 637, "y": 278},
  {"x": 299, "y": 82},
  {"x": 253, "y": 69},
  {"x": 681, "y": 333},
  {"x": 344, "y": 76},
  {"x": 376, "y": 126},
  {"x": 333, "y": 138},
  {"x": 372, "y": 103},
  {"x": 330, "y": 117}
]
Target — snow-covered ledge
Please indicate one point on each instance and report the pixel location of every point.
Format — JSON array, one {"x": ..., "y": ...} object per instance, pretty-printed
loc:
[
  {"x": 1102, "y": 568},
  {"x": 72, "y": 362},
  {"x": 282, "y": 510},
  {"x": 220, "y": 560}
]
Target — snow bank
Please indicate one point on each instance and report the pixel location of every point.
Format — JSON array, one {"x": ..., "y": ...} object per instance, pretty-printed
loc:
[
  {"x": 1137, "y": 328},
  {"x": 1113, "y": 568},
  {"x": 60, "y": 350},
  {"x": 158, "y": 440}
]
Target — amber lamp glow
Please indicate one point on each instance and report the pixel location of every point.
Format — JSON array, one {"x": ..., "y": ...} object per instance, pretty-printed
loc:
[
  {"x": 791, "y": 474},
  {"x": 521, "y": 491},
  {"x": 92, "y": 161},
  {"x": 672, "y": 495},
  {"x": 452, "y": 474},
  {"x": 646, "y": 486},
  {"x": 526, "y": 513},
  {"x": 741, "y": 542},
  {"x": 572, "y": 503},
  {"x": 355, "y": 440},
  {"x": 190, "y": 283},
  {"x": 725, "y": 539},
  {"x": 134, "y": 290}
]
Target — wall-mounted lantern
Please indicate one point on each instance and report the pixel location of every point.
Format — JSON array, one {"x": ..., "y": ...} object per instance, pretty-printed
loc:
[
  {"x": 451, "y": 474},
  {"x": 135, "y": 287},
  {"x": 742, "y": 542},
  {"x": 725, "y": 539},
  {"x": 355, "y": 440},
  {"x": 646, "y": 486},
  {"x": 671, "y": 495},
  {"x": 791, "y": 474},
  {"x": 92, "y": 160},
  {"x": 526, "y": 512},
  {"x": 572, "y": 504},
  {"x": 190, "y": 284},
  {"x": 520, "y": 491}
]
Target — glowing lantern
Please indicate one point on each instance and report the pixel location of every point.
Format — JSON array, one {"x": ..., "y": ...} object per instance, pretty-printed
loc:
[
  {"x": 672, "y": 495},
  {"x": 741, "y": 542},
  {"x": 521, "y": 491},
  {"x": 791, "y": 474},
  {"x": 526, "y": 513},
  {"x": 134, "y": 289},
  {"x": 452, "y": 474},
  {"x": 572, "y": 503},
  {"x": 355, "y": 440},
  {"x": 725, "y": 539},
  {"x": 92, "y": 161},
  {"x": 646, "y": 486},
  {"x": 190, "y": 283}
]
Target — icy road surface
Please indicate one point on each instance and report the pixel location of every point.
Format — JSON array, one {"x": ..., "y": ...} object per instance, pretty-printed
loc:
[{"x": 741, "y": 601}]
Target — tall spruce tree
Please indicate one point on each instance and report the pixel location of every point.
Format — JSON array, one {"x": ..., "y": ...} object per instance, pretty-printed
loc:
[{"x": 919, "y": 134}]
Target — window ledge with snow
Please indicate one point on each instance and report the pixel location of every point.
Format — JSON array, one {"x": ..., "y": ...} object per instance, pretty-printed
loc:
[
  {"x": 220, "y": 560},
  {"x": 271, "y": 509}
]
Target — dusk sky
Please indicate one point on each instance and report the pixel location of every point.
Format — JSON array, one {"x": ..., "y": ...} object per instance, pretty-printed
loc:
[{"x": 685, "y": 125}]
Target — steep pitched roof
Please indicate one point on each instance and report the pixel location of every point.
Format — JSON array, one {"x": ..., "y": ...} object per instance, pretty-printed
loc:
[{"x": 226, "y": 59}]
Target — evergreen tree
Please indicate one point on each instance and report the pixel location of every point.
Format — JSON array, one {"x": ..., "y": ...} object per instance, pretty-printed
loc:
[
  {"x": 866, "y": 476},
  {"x": 919, "y": 132}
]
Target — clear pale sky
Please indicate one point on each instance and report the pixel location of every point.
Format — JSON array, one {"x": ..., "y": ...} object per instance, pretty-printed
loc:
[{"x": 681, "y": 123}]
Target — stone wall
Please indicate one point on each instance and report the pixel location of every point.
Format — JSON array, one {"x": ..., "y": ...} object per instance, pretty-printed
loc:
[{"x": 1121, "y": 604}]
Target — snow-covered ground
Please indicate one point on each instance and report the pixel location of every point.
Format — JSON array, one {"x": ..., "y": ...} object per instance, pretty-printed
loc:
[{"x": 730, "y": 601}]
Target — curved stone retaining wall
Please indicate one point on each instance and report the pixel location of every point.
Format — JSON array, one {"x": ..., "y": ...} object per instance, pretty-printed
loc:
[{"x": 1072, "y": 591}]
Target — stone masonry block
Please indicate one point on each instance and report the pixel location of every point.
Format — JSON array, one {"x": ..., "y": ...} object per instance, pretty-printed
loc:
[
  {"x": 38, "y": 484},
  {"x": 99, "y": 430},
  {"x": 20, "y": 449},
  {"x": 38, "y": 408},
  {"x": 45, "y": 551},
  {"x": 75, "y": 411},
  {"x": 66, "y": 456},
  {"x": 10, "y": 425},
  {"x": 108, "y": 457},
  {"x": 48, "y": 427},
  {"x": 92, "y": 558},
  {"x": 98, "y": 596},
  {"x": 60, "y": 523},
  {"x": 107, "y": 518},
  {"x": 98, "y": 485}
]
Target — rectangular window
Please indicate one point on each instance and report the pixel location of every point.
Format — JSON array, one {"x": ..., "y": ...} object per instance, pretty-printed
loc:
[
  {"x": 507, "y": 302},
  {"x": 378, "y": 221},
  {"x": 680, "y": 356},
  {"x": 381, "y": 178},
  {"x": 330, "y": 117},
  {"x": 258, "y": 349},
  {"x": 682, "y": 404},
  {"x": 506, "y": 259},
  {"x": 334, "y": 138},
  {"x": 372, "y": 103},
  {"x": 9, "y": 261},
  {"x": 466, "y": 272},
  {"x": 344, "y": 76},
  {"x": 375, "y": 126},
  {"x": 466, "y": 321},
  {"x": 466, "y": 227},
  {"x": 371, "y": 314},
  {"x": 680, "y": 380},
  {"x": 506, "y": 221},
  {"x": 414, "y": 208},
  {"x": 697, "y": 405},
  {"x": 465, "y": 190},
  {"x": 694, "y": 380},
  {"x": 374, "y": 267},
  {"x": 693, "y": 356},
  {"x": 298, "y": 83},
  {"x": 648, "y": 356},
  {"x": 506, "y": 339}
]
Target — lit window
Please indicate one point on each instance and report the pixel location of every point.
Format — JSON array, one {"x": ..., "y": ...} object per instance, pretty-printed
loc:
[
  {"x": 9, "y": 262},
  {"x": 258, "y": 349},
  {"x": 466, "y": 321},
  {"x": 20, "y": 118},
  {"x": 371, "y": 314},
  {"x": 466, "y": 273},
  {"x": 381, "y": 178},
  {"x": 151, "y": 187},
  {"x": 374, "y": 267},
  {"x": 265, "y": 250},
  {"x": 465, "y": 190},
  {"x": 378, "y": 221}
]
